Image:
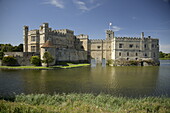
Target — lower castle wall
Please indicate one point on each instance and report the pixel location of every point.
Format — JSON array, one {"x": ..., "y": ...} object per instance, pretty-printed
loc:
[
  {"x": 71, "y": 55},
  {"x": 23, "y": 58}
]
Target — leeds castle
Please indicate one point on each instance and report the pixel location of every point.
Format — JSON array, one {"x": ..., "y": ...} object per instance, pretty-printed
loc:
[{"x": 65, "y": 46}]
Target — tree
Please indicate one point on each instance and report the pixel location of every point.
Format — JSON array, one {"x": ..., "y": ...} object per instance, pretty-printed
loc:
[
  {"x": 11, "y": 48},
  {"x": 1, "y": 55},
  {"x": 20, "y": 47},
  {"x": 9, "y": 60},
  {"x": 161, "y": 54},
  {"x": 47, "y": 58},
  {"x": 35, "y": 60}
]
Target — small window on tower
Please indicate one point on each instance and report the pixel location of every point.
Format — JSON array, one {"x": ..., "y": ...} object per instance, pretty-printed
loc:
[
  {"x": 33, "y": 38},
  {"x": 109, "y": 35},
  {"x": 120, "y": 45},
  {"x": 33, "y": 49},
  {"x": 120, "y": 54},
  {"x": 145, "y": 45},
  {"x": 130, "y": 45},
  {"x": 98, "y": 47}
]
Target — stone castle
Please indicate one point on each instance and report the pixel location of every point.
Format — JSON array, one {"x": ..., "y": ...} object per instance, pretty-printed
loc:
[{"x": 65, "y": 46}]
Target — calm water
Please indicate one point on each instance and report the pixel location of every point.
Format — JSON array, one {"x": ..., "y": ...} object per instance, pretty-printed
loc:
[{"x": 118, "y": 81}]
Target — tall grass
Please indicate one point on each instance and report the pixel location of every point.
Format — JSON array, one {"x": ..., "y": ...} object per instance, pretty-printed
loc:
[{"x": 86, "y": 103}]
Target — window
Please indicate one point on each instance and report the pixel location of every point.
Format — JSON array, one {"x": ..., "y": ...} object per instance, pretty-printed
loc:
[
  {"x": 32, "y": 48},
  {"x": 152, "y": 45},
  {"x": 154, "y": 54},
  {"x": 120, "y": 45},
  {"x": 137, "y": 46},
  {"x": 98, "y": 47},
  {"x": 136, "y": 58},
  {"x": 136, "y": 54},
  {"x": 145, "y": 55},
  {"x": 120, "y": 54},
  {"x": 109, "y": 35},
  {"x": 130, "y": 45},
  {"x": 145, "y": 46},
  {"x": 127, "y": 53},
  {"x": 127, "y": 58},
  {"x": 33, "y": 38}
]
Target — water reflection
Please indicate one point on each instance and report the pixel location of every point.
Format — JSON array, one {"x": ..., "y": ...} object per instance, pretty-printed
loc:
[{"x": 125, "y": 81}]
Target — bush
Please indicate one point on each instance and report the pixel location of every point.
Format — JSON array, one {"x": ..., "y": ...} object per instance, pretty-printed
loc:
[
  {"x": 109, "y": 62},
  {"x": 35, "y": 60},
  {"x": 1, "y": 55},
  {"x": 9, "y": 60}
]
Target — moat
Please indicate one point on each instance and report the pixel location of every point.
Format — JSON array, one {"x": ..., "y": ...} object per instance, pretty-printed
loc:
[{"x": 118, "y": 81}]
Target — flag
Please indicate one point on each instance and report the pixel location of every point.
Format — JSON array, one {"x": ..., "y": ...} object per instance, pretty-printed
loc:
[{"x": 110, "y": 24}]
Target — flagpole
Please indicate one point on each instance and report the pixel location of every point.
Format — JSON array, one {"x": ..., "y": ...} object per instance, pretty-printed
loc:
[{"x": 110, "y": 25}]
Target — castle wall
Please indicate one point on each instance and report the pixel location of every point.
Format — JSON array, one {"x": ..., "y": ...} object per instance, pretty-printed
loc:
[
  {"x": 23, "y": 58},
  {"x": 68, "y": 47},
  {"x": 71, "y": 55},
  {"x": 100, "y": 49}
]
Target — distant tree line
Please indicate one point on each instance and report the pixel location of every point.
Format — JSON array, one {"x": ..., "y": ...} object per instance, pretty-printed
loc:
[
  {"x": 164, "y": 55},
  {"x": 11, "y": 48}
]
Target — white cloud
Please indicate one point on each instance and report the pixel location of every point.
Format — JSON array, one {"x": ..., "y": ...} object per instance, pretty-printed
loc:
[
  {"x": 165, "y": 48},
  {"x": 115, "y": 28},
  {"x": 134, "y": 18},
  {"x": 86, "y": 6},
  {"x": 56, "y": 3}
]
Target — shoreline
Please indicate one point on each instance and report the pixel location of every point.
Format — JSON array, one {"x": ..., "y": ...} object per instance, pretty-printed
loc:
[{"x": 44, "y": 68}]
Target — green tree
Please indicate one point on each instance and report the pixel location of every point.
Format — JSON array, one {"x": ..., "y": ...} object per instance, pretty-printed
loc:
[
  {"x": 35, "y": 60},
  {"x": 47, "y": 58},
  {"x": 167, "y": 55},
  {"x": 9, "y": 60},
  {"x": 161, "y": 54},
  {"x": 1, "y": 55},
  {"x": 20, "y": 47}
]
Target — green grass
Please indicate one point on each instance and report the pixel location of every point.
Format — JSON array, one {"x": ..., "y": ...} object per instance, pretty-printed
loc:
[
  {"x": 80, "y": 103},
  {"x": 40, "y": 67},
  {"x": 164, "y": 58}
]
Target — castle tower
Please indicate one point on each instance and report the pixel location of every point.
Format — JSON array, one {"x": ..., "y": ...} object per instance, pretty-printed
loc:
[
  {"x": 109, "y": 34},
  {"x": 142, "y": 35},
  {"x": 25, "y": 36}
]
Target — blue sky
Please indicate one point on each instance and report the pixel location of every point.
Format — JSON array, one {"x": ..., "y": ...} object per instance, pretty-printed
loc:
[{"x": 92, "y": 17}]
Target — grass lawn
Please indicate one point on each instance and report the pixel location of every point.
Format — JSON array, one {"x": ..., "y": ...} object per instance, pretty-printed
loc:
[
  {"x": 164, "y": 58},
  {"x": 82, "y": 103},
  {"x": 40, "y": 67}
]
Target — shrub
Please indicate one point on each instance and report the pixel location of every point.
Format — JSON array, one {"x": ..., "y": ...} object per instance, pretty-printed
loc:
[
  {"x": 1, "y": 55},
  {"x": 109, "y": 62},
  {"x": 35, "y": 60},
  {"x": 9, "y": 60}
]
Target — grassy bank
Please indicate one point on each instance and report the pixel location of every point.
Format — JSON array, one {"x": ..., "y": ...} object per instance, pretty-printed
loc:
[
  {"x": 40, "y": 67},
  {"x": 164, "y": 58},
  {"x": 81, "y": 103}
]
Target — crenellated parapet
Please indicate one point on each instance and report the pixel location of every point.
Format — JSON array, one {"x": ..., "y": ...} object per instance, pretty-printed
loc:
[
  {"x": 57, "y": 33},
  {"x": 127, "y": 38}
]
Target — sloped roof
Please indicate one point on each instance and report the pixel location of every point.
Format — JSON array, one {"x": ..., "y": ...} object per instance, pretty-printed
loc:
[{"x": 47, "y": 44}]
